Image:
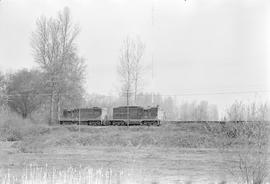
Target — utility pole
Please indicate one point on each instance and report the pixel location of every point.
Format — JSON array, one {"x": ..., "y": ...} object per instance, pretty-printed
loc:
[
  {"x": 152, "y": 95},
  {"x": 128, "y": 106},
  {"x": 59, "y": 110},
  {"x": 79, "y": 120}
]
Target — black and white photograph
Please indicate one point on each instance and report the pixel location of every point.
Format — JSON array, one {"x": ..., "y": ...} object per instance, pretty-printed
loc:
[{"x": 134, "y": 91}]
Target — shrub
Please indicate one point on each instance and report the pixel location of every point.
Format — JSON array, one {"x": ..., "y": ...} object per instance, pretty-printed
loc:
[{"x": 15, "y": 128}]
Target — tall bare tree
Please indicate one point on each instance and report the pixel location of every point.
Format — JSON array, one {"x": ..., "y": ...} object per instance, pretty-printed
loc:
[
  {"x": 55, "y": 51},
  {"x": 239, "y": 111},
  {"x": 126, "y": 68},
  {"x": 236, "y": 112},
  {"x": 252, "y": 164},
  {"x": 130, "y": 67},
  {"x": 139, "y": 48}
]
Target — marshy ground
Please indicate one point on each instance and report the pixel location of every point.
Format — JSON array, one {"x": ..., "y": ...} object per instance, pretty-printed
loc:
[{"x": 171, "y": 153}]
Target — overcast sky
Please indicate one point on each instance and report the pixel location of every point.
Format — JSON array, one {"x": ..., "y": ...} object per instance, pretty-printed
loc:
[{"x": 198, "y": 46}]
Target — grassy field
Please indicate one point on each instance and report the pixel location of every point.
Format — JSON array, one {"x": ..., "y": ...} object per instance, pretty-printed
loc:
[
  {"x": 36, "y": 138},
  {"x": 187, "y": 136},
  {"x": 171, "y": 153},
  {"x": 124, "y": 165}
]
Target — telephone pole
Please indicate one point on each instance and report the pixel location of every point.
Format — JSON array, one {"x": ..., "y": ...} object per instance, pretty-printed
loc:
[{"x": 152, "y": 94}]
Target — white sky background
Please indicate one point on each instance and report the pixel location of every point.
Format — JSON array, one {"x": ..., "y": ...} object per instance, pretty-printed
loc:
[{"x": 199, "y": 46}]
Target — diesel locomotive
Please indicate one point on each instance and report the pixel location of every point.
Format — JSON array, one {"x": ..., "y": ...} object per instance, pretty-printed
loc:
[
  {"x": 121, "y": 116},
  {"x": 94, "y": 116}
]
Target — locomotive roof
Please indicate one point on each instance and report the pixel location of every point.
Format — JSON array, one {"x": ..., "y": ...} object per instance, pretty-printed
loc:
[
  {"x": 86, "y": 108},
  {"x": 136, "y": 106},
  {"x": 132, "y": 106}
]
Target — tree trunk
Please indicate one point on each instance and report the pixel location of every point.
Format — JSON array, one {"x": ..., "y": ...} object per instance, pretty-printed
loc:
[
  {"x": 135, "y": 92},
  {"x": 51, "y": 109},
  {"x": 24, "y": 115},
  {"x": 58, "y": 108},
  {"x": 128, "y": 106}
]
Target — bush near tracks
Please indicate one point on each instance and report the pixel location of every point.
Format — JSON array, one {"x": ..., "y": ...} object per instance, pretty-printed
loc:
[{"x": 14, "y": 128}]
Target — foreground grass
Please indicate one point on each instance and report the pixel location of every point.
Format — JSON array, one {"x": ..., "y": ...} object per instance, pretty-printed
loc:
[
  {"x": 44, "y": 175},
  {"x": 72, "y": 175}
]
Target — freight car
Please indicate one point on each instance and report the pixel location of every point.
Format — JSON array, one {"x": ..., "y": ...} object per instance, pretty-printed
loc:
[
  {"x": 94, "y": 116},
  {"x": 121, "y": 116}
]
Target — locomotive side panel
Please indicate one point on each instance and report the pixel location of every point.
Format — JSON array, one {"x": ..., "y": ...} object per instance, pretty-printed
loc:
[
  {"x": 150, "y": 116},
  {"x": 92, "y": 113},
  {"x": 135, "y": 115},
  {"x": 86, "y": 116},
  {"x": 151, "y": 113},
  {"x": 127, "y": 112}
]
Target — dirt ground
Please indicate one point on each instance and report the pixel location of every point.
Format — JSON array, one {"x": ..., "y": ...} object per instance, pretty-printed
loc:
[{"x": 143, "y": 165}]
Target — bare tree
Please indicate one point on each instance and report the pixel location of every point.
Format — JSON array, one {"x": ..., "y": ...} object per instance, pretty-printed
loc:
[
  {"x": 198, "y": 112},
  {"x": 253, "y": 164},
  {"x": 250, "y": 138},
  {"x": 130, "y": 68},
  {"x": 139, "y": 48},
  {"x": 202, "y": 111},
  {"x": 126, "y": 68},
  {"x": 239, "y": 111},
  {"x": 213, "y": 112},
  {"x": 55, "y": 51},
  {"x": 236, "y": 112}
]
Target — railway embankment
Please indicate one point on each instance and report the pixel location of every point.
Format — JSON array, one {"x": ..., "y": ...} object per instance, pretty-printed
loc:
[{"x": 30, "y": 137}]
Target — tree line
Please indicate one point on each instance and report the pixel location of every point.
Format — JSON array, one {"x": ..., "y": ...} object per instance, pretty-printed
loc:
[{"x": 188, "y": 110}]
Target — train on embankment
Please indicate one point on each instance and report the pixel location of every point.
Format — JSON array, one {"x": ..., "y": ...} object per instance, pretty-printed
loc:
[
  {"x": 125, "y": 116},
  {"x": 121, "y": 116}
]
